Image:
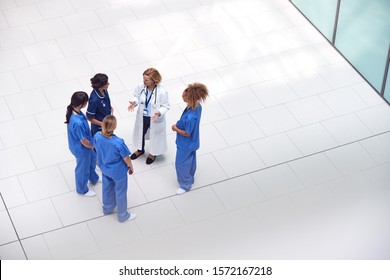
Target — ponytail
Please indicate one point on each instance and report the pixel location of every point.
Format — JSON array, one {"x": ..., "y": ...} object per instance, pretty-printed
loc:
[{"x": 78, "y": 98}]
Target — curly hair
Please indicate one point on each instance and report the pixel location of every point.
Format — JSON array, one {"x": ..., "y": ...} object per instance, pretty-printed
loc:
[{"x": 196, "y": 93}]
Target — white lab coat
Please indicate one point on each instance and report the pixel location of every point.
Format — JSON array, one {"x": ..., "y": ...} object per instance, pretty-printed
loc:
[{"x": 156, "y": 134}]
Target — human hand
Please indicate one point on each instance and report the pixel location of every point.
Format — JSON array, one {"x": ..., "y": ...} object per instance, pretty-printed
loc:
[
  {"x": 131, "y": 106},
  {"x": 174, "y": 127},
  {"x": 155, "y": 116}
]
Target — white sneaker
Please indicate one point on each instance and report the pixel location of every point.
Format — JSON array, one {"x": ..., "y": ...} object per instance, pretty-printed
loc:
[
  {"x": 90, "y": 193},
  {"x": 180, "y": 191},
  {"x": 132, "y": 217}
]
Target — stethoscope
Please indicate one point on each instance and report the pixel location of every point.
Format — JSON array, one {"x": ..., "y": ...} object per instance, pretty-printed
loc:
[{"x": 155, "y": 96}]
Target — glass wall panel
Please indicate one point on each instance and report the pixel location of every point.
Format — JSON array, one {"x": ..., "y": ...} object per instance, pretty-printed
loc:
[
  {"x": 363, "y": 36},
  {"x": 321, "y": 13},
  {"x": 387, "y": 88}
]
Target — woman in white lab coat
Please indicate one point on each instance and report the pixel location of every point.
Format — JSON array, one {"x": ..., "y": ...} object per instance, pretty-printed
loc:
[{"x": 150, "y": 124}]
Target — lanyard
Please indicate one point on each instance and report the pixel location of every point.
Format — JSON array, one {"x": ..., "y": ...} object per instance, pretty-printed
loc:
[{"x": 147, "y": 100}]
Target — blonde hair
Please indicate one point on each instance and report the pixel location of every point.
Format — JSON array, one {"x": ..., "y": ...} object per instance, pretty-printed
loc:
[
  {"x": 153, "y": 74},
  {"x": 108, "y": 125},
  {"x": 195, "y": 93}
]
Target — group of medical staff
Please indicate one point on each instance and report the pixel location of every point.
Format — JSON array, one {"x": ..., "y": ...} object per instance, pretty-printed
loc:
[{"x": 99, "y": 145}]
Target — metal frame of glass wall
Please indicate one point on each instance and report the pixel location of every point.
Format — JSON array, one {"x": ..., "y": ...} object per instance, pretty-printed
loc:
[{"x": 346, "y": 24}]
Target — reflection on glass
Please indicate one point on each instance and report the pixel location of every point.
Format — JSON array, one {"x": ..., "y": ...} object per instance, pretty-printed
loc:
[
  {"x": 363, "y": 36},
  {"x": 321, "y": 13}
]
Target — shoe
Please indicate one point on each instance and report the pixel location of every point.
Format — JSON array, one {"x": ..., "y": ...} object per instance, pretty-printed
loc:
[
  {"x": 150, "y": 159},
  {"x": 90, "y": 193},
  {"x": 132, "y": 217},
  {"x": 180, "y": 191},
  {"x": 136, "y": 154},
  {"x": 99, "y": 181}
]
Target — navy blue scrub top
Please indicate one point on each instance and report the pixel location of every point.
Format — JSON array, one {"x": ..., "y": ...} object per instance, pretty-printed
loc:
[{"x": 98, "y": 107}]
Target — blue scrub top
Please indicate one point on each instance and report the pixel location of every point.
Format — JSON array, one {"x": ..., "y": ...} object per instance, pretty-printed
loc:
[
  {"x": 189, "y": 121},
  {"x": 78, "y": 129},
  {"x": 99, "y": 106},
  {"x": 110, "y": 153}
]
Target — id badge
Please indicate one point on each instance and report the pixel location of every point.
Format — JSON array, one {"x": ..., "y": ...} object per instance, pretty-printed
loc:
[{"x": 145, "y": 112}]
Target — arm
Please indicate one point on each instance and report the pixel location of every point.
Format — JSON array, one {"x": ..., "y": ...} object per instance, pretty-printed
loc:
[
  {"x": 94, "y": 121},
  {"x": 87, "y": 144},
  {"x": 135, "y": 101},
  {"x": 164, "y": 104},
  {"x": 180, "y": 131},
  {"x": 129, "y": 164}
]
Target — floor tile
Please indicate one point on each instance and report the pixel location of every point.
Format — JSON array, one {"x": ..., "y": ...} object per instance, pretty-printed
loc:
[
  {"x": 48, "y": 122},
  {"x": 172, "y": 44},
  {"x": 248, "y": 51},
  {"x": 20, "y": 131},
  {"x": 208, "y": 171},
  {"x": 238, "y": 160},
  {"x": 275, "y": 120},
  {"x": 239, "y": 28},
  {"x": 271, "y": 21},
  {"x": 305, "y": 59},
  {"x": 207, "y": 14},
  {"x": 182, "y": 66},
  {"x": 339, "y": 75},
  {"x": 343, "y": 101},
  {"x": 108, "y": 59},
  {"x": 185, "y": 205},
  {"x": 350, "y": 158},
  {"x": 376, "y": 118},
  {"x": 43, "y": 183},
  {"x": 35, "y": 218},
  {"x": 7, "y": 233},
  {"x": 148, "y": 8},
  {"x": 86, "y": 43},
  {"x": 281, "y": 92},
  {"x": 239, "y": 101},
  {"x": 177, "y": 21},
  {"x": 83, "y": 208},
  {"x": 109, "y": 232},
  {"x": 42, "y": 52},
  {"x": 35, "y": 76},
  {"x": 276, "y": 149},
  {"x": 213, "y": 111},
  {"x": 212, "y": 55},
  {"x": 12, "y": 251},
  {"x": 214, "y": 83},
  {"x": 78, "y": 64},
  {"x": 239, "y": 129},
  {"x": 12, "y": 59},
  {"x": 50, "y": 29},
  {"x": 56, "y": 8},
  {"x": 208, "y": 35},
  {"x": 71, "y": 242},
  {"x": 46, "y": 152},
  {"x": 303, "y": 35},
  {"x": 367, "y": 94},
  {"x": 210, "y": 140},
  {"x": 113, "y": 15},
  {"x": 312, "y": 139},
  {"x": 277, "y": 181},
  {"x": 116, "y": 253},
  {"x": 81, "y": 22},
  {"x": 10, "y": 85},
  {"x": 153, "y": 186},
  {"x": 309, "y": 110},
  {"x": 157, "y": 217},
  {"x": 12, "y": 192},
  {"x": 272, "y": 43},
  {"x": 239, "y": 75},
  {"x": 16, "y": 37},
  {"x": 378, "y": 147},
  {"x": 36, "y": 248},
  {"x": 346, "y": 129},
  {"x": 307, "y": 83},
  {"x": 238, "y": 192},
  {"x": 144, "y": 29},
  {"x": 141, "y": 51},
  {"x": 273, "y": 67},
  {"x": 314, "y": 170},
  {"x": 27, "y": 103},
  {"x": 14, "y": 157}
]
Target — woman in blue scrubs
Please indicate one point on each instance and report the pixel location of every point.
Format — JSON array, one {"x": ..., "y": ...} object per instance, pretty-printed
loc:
[
  {"x": 79, "y": 137},
  {"x": 114, "y": 161},
  {"x": 187, "y": 137},
  {"x": 99, "y": 104}
]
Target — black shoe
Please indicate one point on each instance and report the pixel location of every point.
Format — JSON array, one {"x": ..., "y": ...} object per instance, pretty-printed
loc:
[
  {"x": 137, "y": 154},
  {"x": 150, "y": 159}
]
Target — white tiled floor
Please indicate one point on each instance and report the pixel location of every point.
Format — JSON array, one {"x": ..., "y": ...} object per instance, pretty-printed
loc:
[{"x": 294, "y": 159}]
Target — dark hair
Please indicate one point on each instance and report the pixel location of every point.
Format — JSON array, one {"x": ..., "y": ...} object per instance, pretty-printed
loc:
[
  {"x": 78, "y": 98},
  {"x": 99, "y": 80}
]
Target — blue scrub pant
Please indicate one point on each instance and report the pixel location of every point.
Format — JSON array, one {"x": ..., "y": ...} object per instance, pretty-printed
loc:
[
  {"x": 185, "y": 168},
  {"x": 115, "y": 194},
  {"x": 85, "y": 170}
]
